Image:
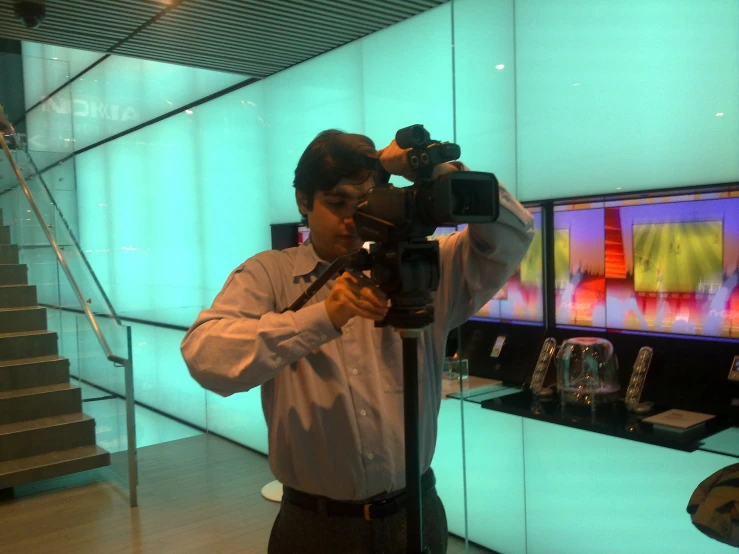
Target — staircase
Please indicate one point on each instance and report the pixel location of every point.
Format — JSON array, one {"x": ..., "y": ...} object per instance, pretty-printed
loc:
[{"x": 43, "y": 432}]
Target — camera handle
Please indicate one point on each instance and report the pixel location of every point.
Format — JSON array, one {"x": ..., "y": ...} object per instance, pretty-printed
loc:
[{"x": 411, "y": 404}]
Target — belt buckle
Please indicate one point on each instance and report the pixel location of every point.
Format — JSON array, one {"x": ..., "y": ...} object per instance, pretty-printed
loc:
[{"x": 367, "y": 516}]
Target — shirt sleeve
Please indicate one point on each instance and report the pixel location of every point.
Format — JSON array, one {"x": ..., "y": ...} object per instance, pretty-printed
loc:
[
  {"x": 240, "y": 342},
  {"x": 477, "y": 262}
]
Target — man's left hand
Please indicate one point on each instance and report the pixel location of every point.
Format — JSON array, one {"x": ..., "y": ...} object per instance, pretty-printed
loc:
[{"x": 395, "y": 160}]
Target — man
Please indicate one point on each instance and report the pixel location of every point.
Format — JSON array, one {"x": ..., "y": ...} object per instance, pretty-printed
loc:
[{"x": 331, "y": 381}]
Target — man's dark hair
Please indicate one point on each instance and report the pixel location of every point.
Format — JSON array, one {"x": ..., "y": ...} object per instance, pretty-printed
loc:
[{"x": 319, "y": 170}]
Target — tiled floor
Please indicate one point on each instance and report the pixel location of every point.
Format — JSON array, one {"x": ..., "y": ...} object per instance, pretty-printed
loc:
[
  {"x": 154, "y": 429},
  {"x": 197, "y": 495}
]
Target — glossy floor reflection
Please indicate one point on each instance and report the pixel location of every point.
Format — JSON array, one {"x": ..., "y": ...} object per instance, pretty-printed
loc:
[
  {"x": 196, "y": 495},
  {"x": 110, "y": 422},
  {"x": 154, "y": 429}
]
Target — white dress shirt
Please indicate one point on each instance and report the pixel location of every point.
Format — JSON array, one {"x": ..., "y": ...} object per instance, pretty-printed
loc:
[{"x": 333, "y": 399}]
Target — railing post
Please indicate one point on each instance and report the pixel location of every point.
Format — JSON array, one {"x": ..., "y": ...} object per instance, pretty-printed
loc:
[{"x": 133, "y": 470}]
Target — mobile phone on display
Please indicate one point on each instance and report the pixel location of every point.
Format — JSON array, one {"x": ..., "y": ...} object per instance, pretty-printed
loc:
[
  {"x": 638, "y": 378},
  {"x": 498, "y": 346},
  {"x": 542, "y": 366}
]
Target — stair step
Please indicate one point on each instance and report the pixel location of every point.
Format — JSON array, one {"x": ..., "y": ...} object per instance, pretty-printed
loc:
[
  {"x": 33, "y": 372},
  {"x": 4, "y": 234},
  {"x": 8, "y": 253},
  {"x": 27, "y": 318},
  {"x": 37, "y": 402},
  {"x": 44, "y": 435},
  {"x": 17, "y": 296},
  {"x": 27, "y": 344},
  {"x": 54, "y": 464},
  {"x": 13, "y": 274}
]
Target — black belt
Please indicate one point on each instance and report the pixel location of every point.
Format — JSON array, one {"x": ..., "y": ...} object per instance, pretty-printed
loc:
[{"x": 372, "y": 510}]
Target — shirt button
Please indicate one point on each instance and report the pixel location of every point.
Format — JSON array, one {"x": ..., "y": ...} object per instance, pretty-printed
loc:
[
  {"x": 323, "y": 337},
  {"x": 363, "y": 413},
  {"x": 278, "y": 359},
  {"x": 371, "y": 456},
  {"x": 355, "y": 371}
]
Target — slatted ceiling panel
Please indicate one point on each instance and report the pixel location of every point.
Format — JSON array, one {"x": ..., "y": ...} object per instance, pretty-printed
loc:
[
  {"x": 97, "y": 25},
  {"x": 200, "y": 61},
  {"x": 191, "y": 35},
  {"x": 255, "y": 22},
  {"x": 207, "y": 60},
  {"x": 76, "y": 39},
  {"x": 251, "y": 37},
  {"x": 271, "y": 35},
  {"x": 264, "y": 41}
]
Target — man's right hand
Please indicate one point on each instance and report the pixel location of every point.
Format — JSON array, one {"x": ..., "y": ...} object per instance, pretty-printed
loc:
[{"x": 353, "y": 296}]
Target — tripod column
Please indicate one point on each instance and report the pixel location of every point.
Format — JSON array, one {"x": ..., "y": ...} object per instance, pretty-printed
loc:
[{"x": 412, "y": 440}]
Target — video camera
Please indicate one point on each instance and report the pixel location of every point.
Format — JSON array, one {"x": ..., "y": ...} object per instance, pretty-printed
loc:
[
  {"x": 398, "y": 220},
  {"x": 391, "y": 214}
]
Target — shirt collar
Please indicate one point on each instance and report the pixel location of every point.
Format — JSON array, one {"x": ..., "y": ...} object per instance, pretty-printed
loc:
[{"x": 306, "y": 260}]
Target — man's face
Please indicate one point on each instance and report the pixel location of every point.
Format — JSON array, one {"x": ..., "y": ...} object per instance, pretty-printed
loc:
[{"x": 331, "y": 220}]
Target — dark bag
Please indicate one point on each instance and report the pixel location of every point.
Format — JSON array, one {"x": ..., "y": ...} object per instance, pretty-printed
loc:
[{"x": 714, "y": 506}]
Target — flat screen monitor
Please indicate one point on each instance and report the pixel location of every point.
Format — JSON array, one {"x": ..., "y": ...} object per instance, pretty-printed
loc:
[
  {"x": 665, "y": 264},
  {"x": 520, "y": 300}
]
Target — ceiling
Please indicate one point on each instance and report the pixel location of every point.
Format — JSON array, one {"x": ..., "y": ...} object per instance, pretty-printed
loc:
[{"x": 250, "y": 37}]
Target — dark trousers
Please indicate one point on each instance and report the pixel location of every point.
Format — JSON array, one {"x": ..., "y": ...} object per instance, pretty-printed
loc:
[{"x": 300, "y": 531}]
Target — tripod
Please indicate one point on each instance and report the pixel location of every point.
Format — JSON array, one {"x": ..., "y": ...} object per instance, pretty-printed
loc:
[
  {"x": 409, "y": 262},
  {"x": 414, "y": 515}
]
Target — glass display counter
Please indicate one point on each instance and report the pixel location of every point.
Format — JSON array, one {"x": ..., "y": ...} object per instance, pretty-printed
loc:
[{"x": 540, "y": 480}]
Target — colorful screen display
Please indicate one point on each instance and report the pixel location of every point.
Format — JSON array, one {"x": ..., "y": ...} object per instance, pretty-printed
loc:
[
  {"x": 662, "y": 264},
  {"x": 441, "y": 232},
  {"x": 303, "y": 234},
  {"x": 521, "y": 298},
  {"x": 666, "y": 265},
  {"x": 579, "y": 265}
]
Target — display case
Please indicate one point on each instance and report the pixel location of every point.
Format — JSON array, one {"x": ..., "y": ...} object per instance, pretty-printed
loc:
[{"x": 652, "y": 273}]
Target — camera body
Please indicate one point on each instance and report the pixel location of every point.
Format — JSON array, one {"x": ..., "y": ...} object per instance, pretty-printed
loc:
[
  {"x": 403, "y": 262},
  {"x": 31, "y": 14},
  {"x": 391, "y": 214}
]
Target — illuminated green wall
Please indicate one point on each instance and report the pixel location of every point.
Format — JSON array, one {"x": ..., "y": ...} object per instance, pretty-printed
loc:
[
  {"x": 115, "y": 95},
  {"x": 595, "y": 494},
  {"x": 618, "y": 95},
  {"x": 485, "y": 87}
]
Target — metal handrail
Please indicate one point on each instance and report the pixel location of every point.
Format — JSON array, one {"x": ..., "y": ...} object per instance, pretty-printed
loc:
[
  {"x": 63, "y": 262},
  {"x": 125, "y": 363},
  {"x": 73, "y": 238}
]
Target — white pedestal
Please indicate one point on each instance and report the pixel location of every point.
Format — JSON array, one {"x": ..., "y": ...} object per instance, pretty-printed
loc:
[{"x": 272, "y": 491}]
